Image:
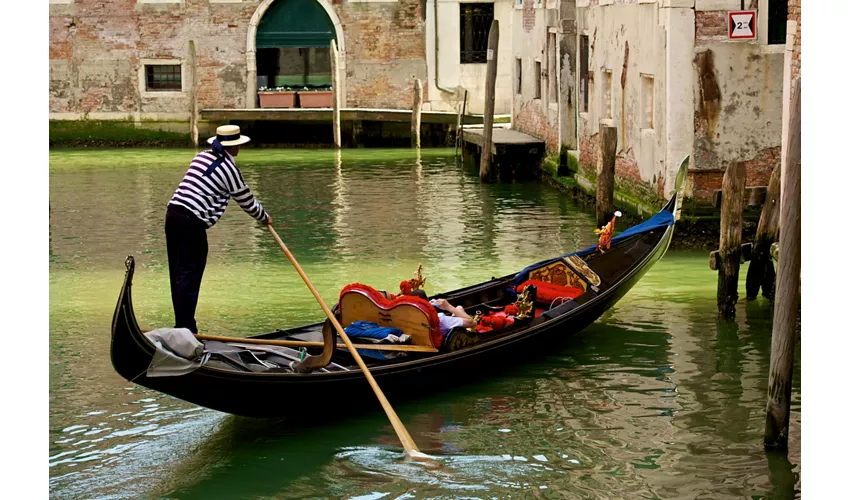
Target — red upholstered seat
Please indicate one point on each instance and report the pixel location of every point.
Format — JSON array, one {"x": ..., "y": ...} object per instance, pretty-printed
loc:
[
  {"x": 548, "y": 292},
  {"x": 423, "y": 325}
]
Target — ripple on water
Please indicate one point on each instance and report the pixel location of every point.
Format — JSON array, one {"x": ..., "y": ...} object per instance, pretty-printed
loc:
[{"x": 657, "y": 399}]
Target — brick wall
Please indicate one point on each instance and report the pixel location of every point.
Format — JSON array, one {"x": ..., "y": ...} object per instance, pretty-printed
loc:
[
  {"x": 96, "y": 47},
  {"x": 794, "y": 10},
  {"x": 711, "y": 26},
  {"x": 385, "y": 53},
  {"x": 531, "y": 121}
]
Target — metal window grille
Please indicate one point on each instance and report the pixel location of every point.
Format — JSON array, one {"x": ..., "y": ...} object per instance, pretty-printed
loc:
[
  {"x": 475, "y": 21},
  {"x": 163, "y": 77}
]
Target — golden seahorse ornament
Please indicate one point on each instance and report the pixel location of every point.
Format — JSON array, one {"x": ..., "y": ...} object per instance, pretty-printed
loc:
[{"x": 606, "y": 233}]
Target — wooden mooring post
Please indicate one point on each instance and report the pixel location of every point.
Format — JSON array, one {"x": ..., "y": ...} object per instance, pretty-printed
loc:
[
  {"x": 193, "y": 95},
  {"x": 787, "y": 300},
  {"x": 731, "y": 227},
  {"x": 489, "y": 101},
  {"x": 606, "y": 157},
  {"x": 336, "y": 94},
  {"x": 761, "y": 273},
  {"x": 416, "y": 115},
  {"x": 459, "y": 131}
]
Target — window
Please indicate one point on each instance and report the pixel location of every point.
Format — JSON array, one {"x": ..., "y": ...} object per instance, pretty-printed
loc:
[
  {"x": 538, "y": 75},
  {"x": 777, "y": 18},
  {"x": 552, "y": 73},
  {"x": 608, "y": 90},
  {"x": 519, "y": 75},
  {"x": 584, "y": 80},
  {"x": 163, "y": 77},
  {"x": 647, "y": 100},
  {"x": 475, "y": 21}
]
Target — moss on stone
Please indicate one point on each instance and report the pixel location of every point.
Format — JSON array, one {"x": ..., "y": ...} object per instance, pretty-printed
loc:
[{"x": 97, "y": 133}]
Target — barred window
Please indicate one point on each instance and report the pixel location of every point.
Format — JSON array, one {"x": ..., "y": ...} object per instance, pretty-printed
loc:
[
  {"x": 777, "y": 19},
  {"x": 475, "y": 21},
  {"x": 163, "y": 77}
]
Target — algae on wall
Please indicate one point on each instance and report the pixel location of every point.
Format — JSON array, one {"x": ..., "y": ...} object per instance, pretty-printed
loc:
[{"x": 97, "y": 133}]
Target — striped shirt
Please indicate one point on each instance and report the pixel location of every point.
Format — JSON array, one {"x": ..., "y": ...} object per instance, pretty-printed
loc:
[{"x": 206, "y": 193}]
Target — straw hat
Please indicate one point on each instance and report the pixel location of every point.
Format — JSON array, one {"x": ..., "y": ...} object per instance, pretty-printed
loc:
[{"x": 228, "y": 135}]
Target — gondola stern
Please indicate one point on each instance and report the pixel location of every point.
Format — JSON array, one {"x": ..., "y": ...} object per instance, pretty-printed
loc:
[{"x": 124, "y": 349}]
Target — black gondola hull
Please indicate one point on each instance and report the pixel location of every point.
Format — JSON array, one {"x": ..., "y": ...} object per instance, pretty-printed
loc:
[{"x": 283, "y": 394}]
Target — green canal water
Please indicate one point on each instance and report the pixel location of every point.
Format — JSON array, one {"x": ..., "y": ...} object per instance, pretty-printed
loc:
[{"x": 657, "y": 399}]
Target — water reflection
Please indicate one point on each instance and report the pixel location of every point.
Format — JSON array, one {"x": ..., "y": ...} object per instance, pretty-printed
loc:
[{"x": 657, "y": 399}]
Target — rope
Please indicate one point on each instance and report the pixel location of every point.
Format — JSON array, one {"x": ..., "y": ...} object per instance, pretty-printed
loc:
[{"x": 563, "y": 300}]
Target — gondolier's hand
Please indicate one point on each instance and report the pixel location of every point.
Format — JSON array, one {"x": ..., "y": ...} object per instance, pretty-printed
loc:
[{"x": 268, "y": 221}]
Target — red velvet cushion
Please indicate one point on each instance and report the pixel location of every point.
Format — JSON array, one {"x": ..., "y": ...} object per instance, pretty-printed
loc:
[{"x": 548, "y": 292}]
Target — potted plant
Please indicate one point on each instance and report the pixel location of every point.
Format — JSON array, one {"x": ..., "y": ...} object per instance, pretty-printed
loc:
[
  {"x": 320, "y": 96},
  {"x": 276, "y": 97}
]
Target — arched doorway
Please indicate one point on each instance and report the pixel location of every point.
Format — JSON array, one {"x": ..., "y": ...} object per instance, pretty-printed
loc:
[{"x": 289, "y": 45}]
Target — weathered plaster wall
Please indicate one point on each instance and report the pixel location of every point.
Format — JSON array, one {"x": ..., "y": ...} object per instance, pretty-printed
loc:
[
  {"x": 641, "y": 165},
  {"x": 536, "y": 116},
  {"x": 470, "y": 77},
  {"x": 98, "y": 49},
  {"x": 738, "y": 105}
]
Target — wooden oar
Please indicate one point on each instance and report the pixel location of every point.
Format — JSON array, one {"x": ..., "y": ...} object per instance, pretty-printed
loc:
[
  {"x": 406, "y": 441},
  {"x": 303, "y": 343}
]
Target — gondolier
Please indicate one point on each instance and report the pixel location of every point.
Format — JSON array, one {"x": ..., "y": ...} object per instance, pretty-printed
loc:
[{"x": 197, "y": 204}]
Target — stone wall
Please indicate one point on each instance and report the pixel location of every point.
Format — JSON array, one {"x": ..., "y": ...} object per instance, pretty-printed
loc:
[
  {"x": 98, "y": 49},
  {"x": 535, "y": 114},
  {"x": 738, "y": 103}
]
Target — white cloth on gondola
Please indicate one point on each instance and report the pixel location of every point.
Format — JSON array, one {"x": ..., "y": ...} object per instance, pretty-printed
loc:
[{"x": 178, "y": 352}]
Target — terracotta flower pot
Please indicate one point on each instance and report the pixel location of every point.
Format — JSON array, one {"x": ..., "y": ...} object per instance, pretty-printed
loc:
[
  {"x": 277, "y": 99},
  {"x": 316, "y": 99}
]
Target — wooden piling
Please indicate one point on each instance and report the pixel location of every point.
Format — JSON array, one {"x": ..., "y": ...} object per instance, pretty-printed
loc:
[
  {"x": 606, "y": 156},
  {"x": 731, "y": 227},
  {"x": 489, "y": 101},
  {"x": 416, "y": 116},
  {"x": 193, "y": 95},
  {"x": 459, "y": 130},
  {"x": 787, "y": 301},
  {"x": 336, "y": 94},
  {"x": 761, "y": 273},
  {"x": 790, "y": 35}
]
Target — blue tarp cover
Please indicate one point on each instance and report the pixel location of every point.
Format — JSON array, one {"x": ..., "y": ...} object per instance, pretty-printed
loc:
[
  {"x": 659, "y": 220},
  {"x": 368, "y": 329}
]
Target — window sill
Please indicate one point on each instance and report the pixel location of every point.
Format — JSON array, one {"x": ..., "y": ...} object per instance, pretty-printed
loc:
[
  {"x": 776, "y": 48},
  {"x": 163, "y": 93},
  {"x": 608, "y": 122}
]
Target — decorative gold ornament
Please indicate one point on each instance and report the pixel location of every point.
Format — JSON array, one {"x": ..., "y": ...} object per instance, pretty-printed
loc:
[
  {"x": 417, "y": 281},
  {"x": 475, "y": 321},
  {"x": 524, "y": 304}
]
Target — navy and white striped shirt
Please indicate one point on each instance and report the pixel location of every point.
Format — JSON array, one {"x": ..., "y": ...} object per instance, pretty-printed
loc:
[{"x": 206, "y": 193}]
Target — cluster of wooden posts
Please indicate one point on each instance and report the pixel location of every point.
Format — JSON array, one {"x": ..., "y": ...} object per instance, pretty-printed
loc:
[
  {"x": 779, "y": 221},
  {"x": 781, "y": 210}
]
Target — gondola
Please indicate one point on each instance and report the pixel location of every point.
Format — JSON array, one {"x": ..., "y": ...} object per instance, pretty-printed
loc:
[{"x": 259, "y": 382}]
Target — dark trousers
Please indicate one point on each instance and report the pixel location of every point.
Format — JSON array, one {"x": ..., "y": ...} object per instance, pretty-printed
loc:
[{"x": 186, "y": 241}]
